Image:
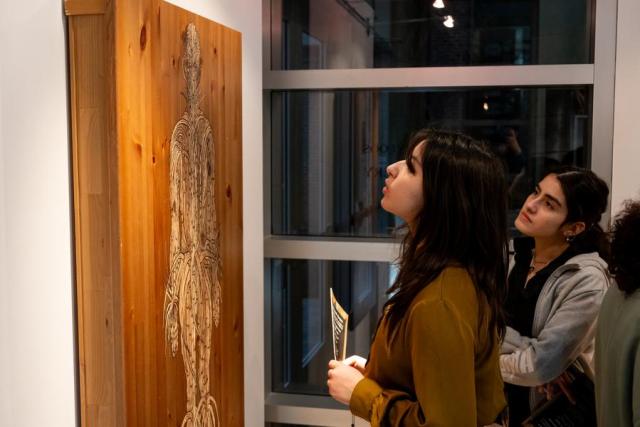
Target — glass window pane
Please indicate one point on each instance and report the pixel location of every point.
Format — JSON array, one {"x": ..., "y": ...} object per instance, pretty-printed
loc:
[
  {"x": 301, "y": 343},
  {"x": 335, "y": 34},
  {"x": 330, "y": 148}
]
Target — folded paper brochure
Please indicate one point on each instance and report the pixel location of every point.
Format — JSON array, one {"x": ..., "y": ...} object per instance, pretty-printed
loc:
[{"x": 339, "y": 323}]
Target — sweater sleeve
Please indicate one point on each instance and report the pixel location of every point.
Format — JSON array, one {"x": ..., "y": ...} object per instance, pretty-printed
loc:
[
  {"x": 442, "y": 352},
  {"x": 513, "y": 341},
  {"x": 536, "y": 361}
]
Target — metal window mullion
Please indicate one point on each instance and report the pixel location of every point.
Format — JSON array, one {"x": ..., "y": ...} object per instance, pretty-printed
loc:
[
  {"x": 310, "y": 416},
  {"x": 432, "y": 77},
  {"x": 268, "y": 323},
  {"x": 331, "y": 250},
  {"x": 270, "y": 27},
  {"x": 604, "y": 91}
]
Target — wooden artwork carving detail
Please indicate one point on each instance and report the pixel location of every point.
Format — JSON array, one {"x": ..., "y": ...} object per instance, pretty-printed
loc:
[{"x": 193, "y": 290}]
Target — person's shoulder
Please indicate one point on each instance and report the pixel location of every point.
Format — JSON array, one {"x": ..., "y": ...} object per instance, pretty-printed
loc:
[
  {"x": 455, "y": 282},
  {"x": 454, "y": 288},
  {"x": 585, "y": 273},
  {"x": 616, "y": 299},
  {"x": 619, "y": 310},
  {"x": 449, "y": 300},
  {"x": 611, "y": 302},
  {"x": 452, "y": 279},
  {"x": 590, "y": 261}
]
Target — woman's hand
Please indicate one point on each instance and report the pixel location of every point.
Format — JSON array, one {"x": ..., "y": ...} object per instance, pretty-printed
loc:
[
  {"x": 342, "y": 379},
  {"x": 356, "y": 362}
]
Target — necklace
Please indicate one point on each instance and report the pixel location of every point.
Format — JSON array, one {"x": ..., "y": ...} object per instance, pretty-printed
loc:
[{"x": 535, "y": 263}]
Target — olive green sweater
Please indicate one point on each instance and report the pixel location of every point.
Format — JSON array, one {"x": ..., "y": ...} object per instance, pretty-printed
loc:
[{"x": 441, "y": 369}]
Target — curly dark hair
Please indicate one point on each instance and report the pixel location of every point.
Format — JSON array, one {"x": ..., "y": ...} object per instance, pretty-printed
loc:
[{"x": 625, "y": 248}]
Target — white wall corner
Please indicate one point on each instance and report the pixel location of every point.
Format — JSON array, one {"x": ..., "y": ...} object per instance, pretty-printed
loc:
[
  {"x": 37, "y": 365},
  {"x": 625, "y": 182},
  {"x": 4, "y": 286}
]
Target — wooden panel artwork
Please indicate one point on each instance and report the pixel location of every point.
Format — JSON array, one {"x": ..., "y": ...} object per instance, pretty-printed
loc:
[
  {"x": 192, "y": 296},
  {"x": 156, "y": 125}
]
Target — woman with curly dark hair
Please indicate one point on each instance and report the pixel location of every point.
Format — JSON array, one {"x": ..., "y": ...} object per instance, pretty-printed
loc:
[
  {"x": 618, "y": 338},
  {"x": 434, "y": 358}
]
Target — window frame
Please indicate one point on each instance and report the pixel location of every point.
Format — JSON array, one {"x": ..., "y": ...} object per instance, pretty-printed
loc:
[{"x": 319, "y": 410}]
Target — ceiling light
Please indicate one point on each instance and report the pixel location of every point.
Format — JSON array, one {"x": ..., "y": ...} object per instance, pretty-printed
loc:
[
  {"x": 438, "y": 4},
  {"x": 448, "y": 21}
]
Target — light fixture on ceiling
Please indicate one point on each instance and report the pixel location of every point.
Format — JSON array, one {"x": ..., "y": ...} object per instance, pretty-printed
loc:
[
  {"x": 448, "y": 21},
  {"x": 438, "y": 4},
  {"x": 485, "y": 106}
]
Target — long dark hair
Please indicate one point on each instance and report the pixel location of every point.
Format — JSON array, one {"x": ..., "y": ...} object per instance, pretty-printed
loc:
[
  {"x": 463, "y": 221},
  {"x": 586, "y": 195}
]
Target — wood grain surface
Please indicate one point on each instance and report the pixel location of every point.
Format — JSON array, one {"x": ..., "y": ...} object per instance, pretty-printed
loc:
[{"x": 126, "y": 96}]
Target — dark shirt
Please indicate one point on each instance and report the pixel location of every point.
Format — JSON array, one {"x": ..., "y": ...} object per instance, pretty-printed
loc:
[{"x": 522, "y": 297}]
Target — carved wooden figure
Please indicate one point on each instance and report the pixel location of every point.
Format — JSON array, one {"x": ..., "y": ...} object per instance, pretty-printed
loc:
[{"x": 192, "y": 299}]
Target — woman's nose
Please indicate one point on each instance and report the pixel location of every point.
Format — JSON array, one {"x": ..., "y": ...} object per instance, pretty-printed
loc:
[
  {"x": 392, "y": 169},
  {"x": 531, "y": 204}
]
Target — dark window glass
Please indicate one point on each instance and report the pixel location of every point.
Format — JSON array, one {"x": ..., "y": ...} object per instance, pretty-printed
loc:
[
  {"x": 334, "y": 34},
  {"x": 301, "y": 343},
  {"x": 330, "y": 149}
]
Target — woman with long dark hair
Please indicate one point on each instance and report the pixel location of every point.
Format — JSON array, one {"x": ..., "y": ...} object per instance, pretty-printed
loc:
[
  {"x": 556, "y": 285},
  {"x": 434, "y": 358}
]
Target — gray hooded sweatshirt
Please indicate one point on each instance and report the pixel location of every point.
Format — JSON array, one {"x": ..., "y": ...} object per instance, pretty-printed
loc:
[{"x": 564, "y": 326}]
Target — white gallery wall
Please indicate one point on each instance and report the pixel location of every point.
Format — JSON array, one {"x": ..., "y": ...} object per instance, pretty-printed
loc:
[
  {"x": 4, "y": 303},
  {"x": 37, "y": 376},
  {"x": 626, "y": 131}
]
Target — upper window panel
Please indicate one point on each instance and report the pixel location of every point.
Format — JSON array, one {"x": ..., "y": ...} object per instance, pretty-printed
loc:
[
  {"x": 330, "y": 149},
  {"x": 348, "y": 34}
]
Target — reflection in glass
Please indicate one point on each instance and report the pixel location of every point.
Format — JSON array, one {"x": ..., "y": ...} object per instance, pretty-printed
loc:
[
  {"x": 301, "y": 322},
  {"x": 330, "y": 149},
  {"x": 334, "y": 34}
]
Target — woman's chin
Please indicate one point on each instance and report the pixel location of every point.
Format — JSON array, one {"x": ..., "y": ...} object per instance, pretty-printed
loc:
[
  {"x": 526, "y": 230},
  {"x": 521, "y": 226},
  {"x": 384, "y": 204}
]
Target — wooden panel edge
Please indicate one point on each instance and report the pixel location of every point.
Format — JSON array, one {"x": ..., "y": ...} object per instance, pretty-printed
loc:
[
  {"x": 77, "y": 238},
  {"x": 76, "y": 64},
  {"x": 85, "y": 7}
]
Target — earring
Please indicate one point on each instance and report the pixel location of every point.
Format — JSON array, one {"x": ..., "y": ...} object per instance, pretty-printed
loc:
[{"x": 569, "y": 238}]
